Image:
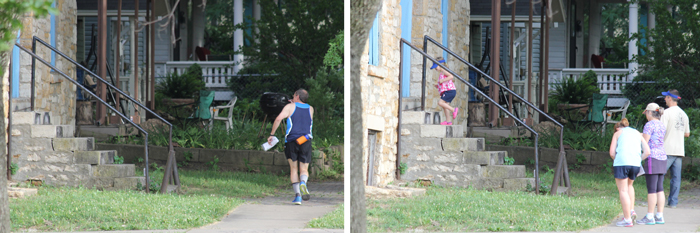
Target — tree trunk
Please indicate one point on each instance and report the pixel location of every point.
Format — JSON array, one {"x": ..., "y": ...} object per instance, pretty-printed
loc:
[
  {"x": 362, "y": 16},
  {"x": 4, "y": 202}
]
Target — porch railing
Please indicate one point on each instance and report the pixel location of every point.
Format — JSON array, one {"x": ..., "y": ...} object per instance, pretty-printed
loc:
[{"x": 610, "y": 81}]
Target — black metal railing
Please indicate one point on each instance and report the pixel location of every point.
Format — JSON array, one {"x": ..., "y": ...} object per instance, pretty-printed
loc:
[
  {"x": 120, "y": 114},
  {"x": 458, "y": 77}
]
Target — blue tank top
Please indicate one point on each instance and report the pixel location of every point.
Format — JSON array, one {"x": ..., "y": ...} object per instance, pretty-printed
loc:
[
  {"x": 299, "y": 123},
  {"x": 629, "y": 148}
]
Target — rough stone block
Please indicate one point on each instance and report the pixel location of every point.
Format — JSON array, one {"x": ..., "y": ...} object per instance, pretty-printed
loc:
[
  {"x": 410, "y": 131},
  {"x": 225, "y": 156},
  {"x": 486, "y": 183},
  {"x": 548, "y": 155},
  {"x": 73, "y": 144},
  {"x": 21, "y": 192},
  {"x": 52, "y": 131},
  {"x": 442, "y": 131},
  {"x": 58, "y": 157},
  {"x": 97, "y": 157},
  {"x": 503, "y": 171},
  {"x": 261, "y": 158},
  {"x": 447, "y": 158},
  {"x": 103, "y": 182},
  {"x": 113, "y": 170},
  {"x": 518, "y": 184},
  {"x": 463, "y": 144},
  {"x": 599, "y": 157},
  {"x": 573, "y": 155},
  {"x": 126, "y": 183},
  {"x": 415, "y": 117},
  {"x": 160, "y": 153},
  {"x": 25, "y": 118},
  {"x": 392, "y": 191},
  {"x": 280, "y": 159},
  {"x": 484, "y": 157}
]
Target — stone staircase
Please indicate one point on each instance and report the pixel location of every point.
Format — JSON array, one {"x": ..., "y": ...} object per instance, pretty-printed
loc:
[
  {"x": 442, "y": 155},
  {"x": 49, "y": 154}
]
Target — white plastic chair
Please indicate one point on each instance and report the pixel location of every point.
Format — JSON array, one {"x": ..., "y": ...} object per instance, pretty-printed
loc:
[{"x": 228, "y": 119}]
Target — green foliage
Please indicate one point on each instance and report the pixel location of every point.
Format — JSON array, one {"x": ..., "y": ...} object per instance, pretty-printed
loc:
[
  {"x": 184, "y": 85},
  {"x": 403, "y": 167},
  {"x": 691, "y": 172},
  {"x": 13, "y": 168},
  {"x": 118, "y": 159},
  {"x": 645, "y": 88},
  {"x": 10, "y": 15},
  {"x": 292, "y": 38},
  {"x": 614, "y": 18},
  {"x": 574, "y": 91},
  {"x": 674, "y": 58},
  {"x": 508, "y": 161},
  {"x": 334, "y": 56},
  {"x": 188, "y": 157},
  {"x": 214, "y": 164}
]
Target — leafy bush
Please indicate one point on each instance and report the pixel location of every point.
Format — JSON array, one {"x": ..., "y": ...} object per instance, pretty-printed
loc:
[
  {"x": 691, "y": 172},
  {"x": 642, "y": 91},
  {"x": 185, "y": 85},
  {"x": 575, "y": 91},
  {"x": 13, "y": 168}
]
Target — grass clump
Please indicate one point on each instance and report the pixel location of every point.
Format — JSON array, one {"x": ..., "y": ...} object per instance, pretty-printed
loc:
[
  {"x": 80, "y": 209},
  {"x": 206, "y": 197},
  {"x": 332, "y": 220}
]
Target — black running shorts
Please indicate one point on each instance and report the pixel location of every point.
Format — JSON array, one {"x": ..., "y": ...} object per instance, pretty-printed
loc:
[{"x": 296, "y": 152}]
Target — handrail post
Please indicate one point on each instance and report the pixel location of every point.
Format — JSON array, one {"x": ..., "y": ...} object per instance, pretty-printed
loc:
[
  {"x": 422, "y": 96},
  {"x": 398, "y": 127},
  {"x": 33, "y": 74},
  {"x": 145, "y": 170},
  {"x": 537, "y": 165}
]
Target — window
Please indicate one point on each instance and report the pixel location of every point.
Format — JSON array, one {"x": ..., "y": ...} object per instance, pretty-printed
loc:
[{"x": 374, "y": 42}]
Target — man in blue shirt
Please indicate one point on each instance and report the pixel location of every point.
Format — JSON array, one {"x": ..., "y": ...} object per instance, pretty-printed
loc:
[{"x": 297, "y": 141}]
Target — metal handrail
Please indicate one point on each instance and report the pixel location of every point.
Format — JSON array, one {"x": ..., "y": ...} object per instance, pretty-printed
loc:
[
  {"x": 503, "y": 87},
  {"x": 126, "y": 119}
]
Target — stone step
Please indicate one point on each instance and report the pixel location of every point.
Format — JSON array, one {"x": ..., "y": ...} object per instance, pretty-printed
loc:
[
  {"x": 96, "y": 157},
  {"x": 13, "y": 192},
  {"x": 31, "y": 118},
  {"x": 392, "y": 191},
  {"x": 73, "y": 144},
  {"x": 129, "y": 183},
  {"x": 419, "y": 117},
  {"x": 113, "y": 170},
  {"x": 503, "y": 171},
  {"x": 442, "y": 131},
  {"x": 410, "y": 103},
  {"x": 52, "y": 131},
  {"x": 463, "y": 144},
  {"x": 484, "y": 157},
  {"x": 518, "y": 184},
  {"x": 485, "y": 183}
]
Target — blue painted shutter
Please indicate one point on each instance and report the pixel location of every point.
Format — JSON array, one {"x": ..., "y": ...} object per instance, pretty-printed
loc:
[
  {"x": 445, "y": 26},
  {"x": 374, "y": 42}
]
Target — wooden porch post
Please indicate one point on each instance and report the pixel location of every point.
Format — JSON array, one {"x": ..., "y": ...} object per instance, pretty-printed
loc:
[
  {"x": 102, "y": 59},
  {"x": 495, "y": 59}
]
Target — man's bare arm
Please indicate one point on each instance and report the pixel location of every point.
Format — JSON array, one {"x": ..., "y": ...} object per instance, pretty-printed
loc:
[{"x": 284, "y": 114}]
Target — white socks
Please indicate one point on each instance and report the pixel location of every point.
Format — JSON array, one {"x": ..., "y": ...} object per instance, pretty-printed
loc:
[
  {"x": 304, "y": 178},
  {"x": 296, "y": 187},
  {"x": 650, "y": 215},
  {"x": 659, "y": 215}
]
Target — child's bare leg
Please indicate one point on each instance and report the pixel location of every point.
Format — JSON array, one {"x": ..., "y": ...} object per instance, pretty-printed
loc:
[{"x": 447, "y": 109}]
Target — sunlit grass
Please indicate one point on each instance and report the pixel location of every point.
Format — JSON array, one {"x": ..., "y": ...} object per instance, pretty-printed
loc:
[{"x": 332, "y": 220}]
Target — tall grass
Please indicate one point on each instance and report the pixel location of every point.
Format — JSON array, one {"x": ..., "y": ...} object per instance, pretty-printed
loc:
[{"x": 332, "y": 220}]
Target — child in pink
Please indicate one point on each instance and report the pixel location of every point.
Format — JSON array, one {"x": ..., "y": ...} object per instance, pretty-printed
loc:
[{"x": 448, "y": 91}]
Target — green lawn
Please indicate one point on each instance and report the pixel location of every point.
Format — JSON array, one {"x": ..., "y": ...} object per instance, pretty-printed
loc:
[
  {"x": 207, "y": 196},
  {"x": 332, "y": 220},
  {"x": 594, "y": 203}
]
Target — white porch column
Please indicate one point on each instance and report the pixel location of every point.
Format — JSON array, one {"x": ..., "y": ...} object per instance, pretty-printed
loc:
[
  {"x": 238, "y": 34},
  {"x": 256, "y": 15},
  {"x": 595, "y": 31},
  {"x": 633, "y": 28},
  {"x": 198, "y": 24}
]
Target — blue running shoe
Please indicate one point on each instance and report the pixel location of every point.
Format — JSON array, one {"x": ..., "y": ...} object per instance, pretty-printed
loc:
[
  {"x": 297, "y": 199},
  {"x": 304, "y": 191},
  {"x": 624, "y": 223},
  {"x": 646, "y": 221},
  {"x": 659, "y": 220}
]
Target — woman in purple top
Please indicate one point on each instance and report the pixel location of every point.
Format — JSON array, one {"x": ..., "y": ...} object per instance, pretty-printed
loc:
[{"x": 655, "y": 164}]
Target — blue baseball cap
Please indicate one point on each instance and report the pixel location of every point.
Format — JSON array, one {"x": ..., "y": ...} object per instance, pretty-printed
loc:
[
  {"x": 668, "y": 93},
  {"x": 435, "y": 65}
]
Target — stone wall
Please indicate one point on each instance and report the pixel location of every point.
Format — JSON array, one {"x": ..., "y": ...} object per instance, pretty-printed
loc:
[
  {"x": 53, "y": 93},
  {"x": 427, "y": 20},
  {"x": 380, "y": 95}
]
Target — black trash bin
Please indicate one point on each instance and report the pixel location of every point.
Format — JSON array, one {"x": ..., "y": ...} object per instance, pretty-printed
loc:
[{"x": 272, "y": 103}]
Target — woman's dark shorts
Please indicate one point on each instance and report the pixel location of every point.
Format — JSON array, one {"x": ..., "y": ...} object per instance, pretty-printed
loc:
[
  {"x": 448, "y": 96},
  {"x": 296, "y": 152},
  {"x": 626, "y": 172}
]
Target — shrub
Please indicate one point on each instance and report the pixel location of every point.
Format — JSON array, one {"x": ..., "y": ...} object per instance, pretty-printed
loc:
[
  {"x": 575, "y": 91},
  {"x": 184, "y": 85}
]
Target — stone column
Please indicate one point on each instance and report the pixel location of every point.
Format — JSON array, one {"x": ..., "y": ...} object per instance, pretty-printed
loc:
[
  {"x": 652, "y": 26},
  {"x": 256, "y": 16},
  {"x": 633, "y": 28},
  {"x": 238, "y": 34}
]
